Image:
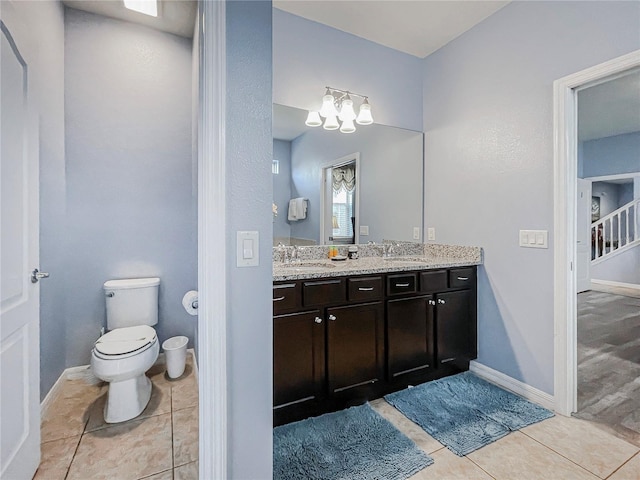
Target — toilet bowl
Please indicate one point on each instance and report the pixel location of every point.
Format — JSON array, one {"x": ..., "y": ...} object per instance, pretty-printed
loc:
[
  {"x": 130, "y": 348},
  {"x": 121, "y": 357}
]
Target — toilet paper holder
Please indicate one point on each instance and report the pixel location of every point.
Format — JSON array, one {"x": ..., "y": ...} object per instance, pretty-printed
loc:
[{"x": 194, "y": 304}]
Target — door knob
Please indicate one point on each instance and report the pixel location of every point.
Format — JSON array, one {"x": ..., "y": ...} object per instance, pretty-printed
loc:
[{"x": 36, "y": 275}]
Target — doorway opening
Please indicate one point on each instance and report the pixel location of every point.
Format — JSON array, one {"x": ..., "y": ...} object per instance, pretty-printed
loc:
[
  {"x": 567, "y": 151},
  {"x": 340, "y": 201}
]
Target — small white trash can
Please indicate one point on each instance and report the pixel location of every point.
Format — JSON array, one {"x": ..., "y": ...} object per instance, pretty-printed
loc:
[{"x": 175, "y": 351}]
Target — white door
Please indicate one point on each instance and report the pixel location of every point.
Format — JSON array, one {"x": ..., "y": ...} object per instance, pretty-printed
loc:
[
  {"x": 583, "y": 236},
  {"x": 19, "y": 297}
]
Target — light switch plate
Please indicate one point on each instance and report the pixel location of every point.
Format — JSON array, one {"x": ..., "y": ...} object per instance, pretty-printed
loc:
[
  {"x": 364, "y": 230},
  {"x": 416, "y": 233},
  {"x": 247, "y": 249},
  {"x": 431, "y": 233},
  {"x": 534, "y": 238}
]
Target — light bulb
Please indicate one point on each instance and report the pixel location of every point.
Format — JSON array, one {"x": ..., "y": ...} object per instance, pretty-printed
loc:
[
  {"x": 313, "y": 119},
  {"x": 348, "y": 127},
  {"x": 364, "y": 116},
  {"x": 331, "y": 123},
  {"x": 347, "y": 112},
  {"x": 328, "y": 108}
]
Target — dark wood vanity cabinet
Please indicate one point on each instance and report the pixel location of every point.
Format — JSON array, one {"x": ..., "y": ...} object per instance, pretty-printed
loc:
[{"x": 341, "y": 341}]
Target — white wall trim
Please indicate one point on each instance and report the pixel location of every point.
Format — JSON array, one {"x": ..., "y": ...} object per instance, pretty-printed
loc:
[
  {"x": 515, "y": 386},
  {"x": 620, "y": 176},
  {"x": 610, "y": 283},
  {"x": 212, "y": 231},
  {"x": 565, "y": 187},
  {"x": 616, "y": 252}
]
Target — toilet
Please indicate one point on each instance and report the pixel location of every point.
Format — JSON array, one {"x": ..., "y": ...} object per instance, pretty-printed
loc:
[{"x": 130, "y": 348}]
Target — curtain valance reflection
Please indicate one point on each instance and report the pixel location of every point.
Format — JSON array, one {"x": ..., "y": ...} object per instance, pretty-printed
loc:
[{"x": 344, "y": 177}]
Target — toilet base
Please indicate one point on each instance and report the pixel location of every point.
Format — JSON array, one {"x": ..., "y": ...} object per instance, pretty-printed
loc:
[{"x": 127, "y": 399}]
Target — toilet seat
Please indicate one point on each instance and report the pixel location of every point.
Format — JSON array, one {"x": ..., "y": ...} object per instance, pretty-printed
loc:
[{"x": 125, "y": 342}]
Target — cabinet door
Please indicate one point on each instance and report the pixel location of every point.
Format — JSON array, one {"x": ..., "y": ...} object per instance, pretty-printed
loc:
[
  {"x": 409, "y": 336},
  {"x": 298, "y": 358},
  {"x": 453, "y": 329},
  {"x": 355, "y": 346}
]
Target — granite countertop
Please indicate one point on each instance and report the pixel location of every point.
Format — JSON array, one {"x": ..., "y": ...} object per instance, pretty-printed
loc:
[{"x": 322, "y": 268}]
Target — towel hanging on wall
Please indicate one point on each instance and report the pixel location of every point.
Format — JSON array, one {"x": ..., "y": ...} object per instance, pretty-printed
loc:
[{"x": 297, "y": 209}]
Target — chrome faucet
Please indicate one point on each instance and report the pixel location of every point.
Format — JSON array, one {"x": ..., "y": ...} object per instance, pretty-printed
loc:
[{"x": 294, "y": 255}]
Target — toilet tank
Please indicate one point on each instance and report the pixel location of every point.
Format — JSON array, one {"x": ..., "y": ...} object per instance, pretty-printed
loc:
[{"x": 131, "y": 302}]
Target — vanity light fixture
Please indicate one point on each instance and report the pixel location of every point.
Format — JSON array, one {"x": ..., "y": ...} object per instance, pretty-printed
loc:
[
  {"x": 337, "y": 104},
  {"x": 147, "y": 7}
]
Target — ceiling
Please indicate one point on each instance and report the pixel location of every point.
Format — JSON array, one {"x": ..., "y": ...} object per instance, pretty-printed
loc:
[
  {"x": 418, "y": 28},
  {"x": 288, "y": 122},
  {"x": 174, "y": 16},
  {"x": 610, "y": 108}
]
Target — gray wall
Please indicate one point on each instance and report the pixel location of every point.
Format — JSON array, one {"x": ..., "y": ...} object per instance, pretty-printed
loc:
[
  {"x": 249, "y": 190},
  {"x": 609, "y": 194},
  {"x": 390, "y": 178},
  {"x": 308, "y": 56},
  {"x": 488, "y": 118},
  {"x": 282, "y": 187},
  {"x": 130, "y": 190},
  {"x": 624, "y": 267},
  {"x": 610, "y": 155},
  {"x": 625, "y": 194},
  {"x": 46, "y": 24}
]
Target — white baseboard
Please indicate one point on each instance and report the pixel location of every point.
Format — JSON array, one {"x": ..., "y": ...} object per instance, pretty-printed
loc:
[
  {"x": 83, "y": 372},
  {"x": 515, "y": 386},
  {"x": 610, "y": 283}
]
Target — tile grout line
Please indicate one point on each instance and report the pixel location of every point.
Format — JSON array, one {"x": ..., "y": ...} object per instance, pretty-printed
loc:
[
  {"x": 467, "y": 457},
  {"x": 629, "y": 460},
  {"x": 565, "y": 457},
  {"x": 73, "y": 457}
]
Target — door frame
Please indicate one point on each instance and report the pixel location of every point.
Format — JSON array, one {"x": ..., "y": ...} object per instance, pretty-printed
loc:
[
  {"x": 352, "y": 157},
  {"x": 565, "y": 122},
  {"x": 212, "y": 307}
]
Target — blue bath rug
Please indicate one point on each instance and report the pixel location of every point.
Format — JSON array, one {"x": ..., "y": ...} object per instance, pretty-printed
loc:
[
  {"x": 464, "y": 412},
  {"x": 352, "y": 444}
]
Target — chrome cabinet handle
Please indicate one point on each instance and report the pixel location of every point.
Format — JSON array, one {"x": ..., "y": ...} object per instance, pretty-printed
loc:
[
  {"x": 464, "y": 279},
  {"x": 441, "y": 301},
  {"x": 318, "y": 320},
  {"x": 36, "y": 275},
  {"x": 278, "y": 299},
  {"x": 402, "y": 284},
  {"x": 363, "y": 289},
  {"x": 332, "y": 318},
  {"x": 431, "y": 302}
]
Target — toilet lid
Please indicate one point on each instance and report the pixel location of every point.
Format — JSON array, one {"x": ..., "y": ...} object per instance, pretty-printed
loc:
[{"x": 125, "y": 340}]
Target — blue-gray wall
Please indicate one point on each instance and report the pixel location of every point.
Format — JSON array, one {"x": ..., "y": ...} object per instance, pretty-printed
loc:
[
  {"x": 130, "y": 188},
  {"x": 308, "y": 56},
  {"x": 624, "y": 268},
  {"x": 488, "y": 121},
  {"x": 249, "y": 190},
  {"x": 282, "y": 187},
  {"x": 610, "y": 155},
  {"x": 46, "y": 25}
]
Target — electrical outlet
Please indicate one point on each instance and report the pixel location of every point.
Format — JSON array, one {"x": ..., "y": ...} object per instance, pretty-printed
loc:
[
  {"x": 431, "y": 233},
  {"x": 416, "y": 233}
]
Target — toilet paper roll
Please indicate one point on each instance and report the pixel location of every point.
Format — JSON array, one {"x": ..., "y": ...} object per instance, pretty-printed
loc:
[{"x": 190, "y": 302}]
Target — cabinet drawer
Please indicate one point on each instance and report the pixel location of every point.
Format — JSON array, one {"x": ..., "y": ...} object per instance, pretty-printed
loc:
[
  {"x": 323, "y": 292},
  {"x": 433, "y": 281},
  {"x": 285, "y": 297},
  {"x": 462, "y": 277},
  {"x": 364, "y": 289},
  {"x": 401, "y": 283}
]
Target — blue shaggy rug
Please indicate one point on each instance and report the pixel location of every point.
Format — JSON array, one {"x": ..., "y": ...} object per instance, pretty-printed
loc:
[
  {"x": 352, "y": 444},
  {"x": 464, "y": 412}
]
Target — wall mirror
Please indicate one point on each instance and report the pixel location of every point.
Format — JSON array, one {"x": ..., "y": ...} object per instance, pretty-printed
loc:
[{"x": 357, "y": 187}]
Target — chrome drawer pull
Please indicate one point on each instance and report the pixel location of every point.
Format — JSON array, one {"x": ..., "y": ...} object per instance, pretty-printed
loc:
[
  {"x": 318, "y": 320},
  {"x": 402, "y": 284},
  {"x": 431, "y": 302},
  {"x": 278, "y": 299},
  {"x": 332, "y": 317},
  {"x": 463, "y": 278},
  {"x": 447, "y": 360},
  {"x": 363, "y": 289},
  {"x": 441, "y": 301}
]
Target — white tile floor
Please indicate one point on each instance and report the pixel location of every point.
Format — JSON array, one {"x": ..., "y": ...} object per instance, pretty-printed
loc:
[
  {"x": 558, "y": 448},
  {"x": 160, "y": 444}
]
